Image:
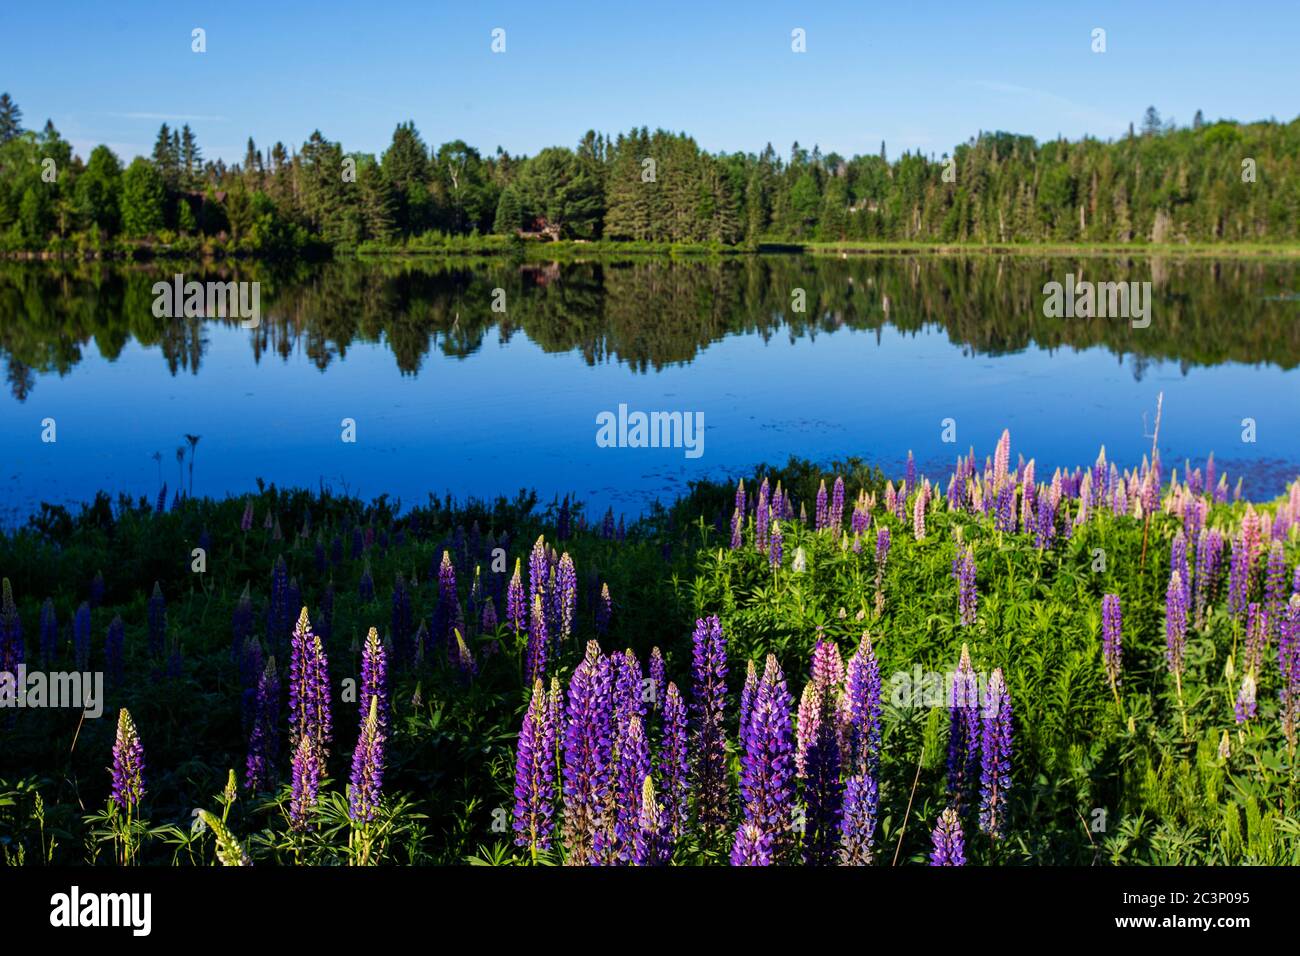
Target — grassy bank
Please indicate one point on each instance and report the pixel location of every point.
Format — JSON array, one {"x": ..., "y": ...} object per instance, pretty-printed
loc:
[
  {"x": 1144, "y": 769},
  {"x": 440, "y": 244}
]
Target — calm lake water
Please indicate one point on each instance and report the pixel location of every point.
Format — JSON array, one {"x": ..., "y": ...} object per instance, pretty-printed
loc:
[{"x": 449, "y": 396}]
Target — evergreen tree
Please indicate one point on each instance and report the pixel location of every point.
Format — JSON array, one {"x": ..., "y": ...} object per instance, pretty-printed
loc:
[{"x": 11, "y": 119}]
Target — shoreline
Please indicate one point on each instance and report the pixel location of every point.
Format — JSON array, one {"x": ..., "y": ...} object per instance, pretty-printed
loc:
[{"x": 503, "y": 246}]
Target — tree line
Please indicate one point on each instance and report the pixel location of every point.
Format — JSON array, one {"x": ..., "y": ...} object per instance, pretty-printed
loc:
[{"x": 1208, "y": 182}]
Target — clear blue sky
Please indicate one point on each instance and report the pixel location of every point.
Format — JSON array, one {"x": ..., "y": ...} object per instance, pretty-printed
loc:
[{"x": 918, "y": 75}]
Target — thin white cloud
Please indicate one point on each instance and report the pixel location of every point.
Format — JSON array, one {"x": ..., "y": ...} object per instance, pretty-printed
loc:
[{"x": 1062, "y": 104}]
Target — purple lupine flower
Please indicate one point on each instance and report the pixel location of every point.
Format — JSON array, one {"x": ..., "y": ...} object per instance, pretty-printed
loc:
[
  {"x": 537, "y": 641},
  {"x": 604, "y": 611},
  {"x": 1175, "y": 624},
  {"x": 836, "y": 516},
  {"x": 1209, "y": 555},
  {"x": 1178, "y": 562},
  {"x": 737, "y": 528},
  {"x": 81, "y": 636},
  {"x": 374, "y": 676},
  {"x": 657, "y": 682},
  {"x": 861, "y": 518},
  {"x": 97, "y": 588},
  {"x": 822, "y": 518},
  {"x": 488, "y": 625},
  {"x": 674, "y": 763},
  {"x": 1288, "y": 659},
  {"x": 401, "y": 622},
  {"x": 157, "y": 620},
  {"x": 752, "y": 846},
  {"x": 264, "y": 739},
  {"x": 1239, "y": 577},
  {"x": 1112, "y": 636},
  {"x": 964, "y": 736},
  {"x": 588, "y": 754},
  {"x": 1245, "y": 708},
  {"x": 535, "y": 776},
  {"x": 1045, "y": 527},
  {"x": 762, "y": 518},
  {"x": 309, "y": 689},
  {"x": 632, "y": 764},
  {"x": 464, "y": 657},
  {"x": 128, "y": 765},
  {"x": 566, "y": 596},
  {"x": 882, "y": 559},
  {"x": 767, "y": 772},
  {"x": 629, "y": 701},
  {"x": 1006, "y": 515},
  {"x": 366, "y": 584},
  {"x": 775, "y": 545},
  {"x": 747, "y": 694},
  {"x": 820, "y": 763},
  {"x": 241, "y": 624},
  {"x": 949, "y": 844},
  {"x": 858, "y": 824},
  {"x": 13, "y": 649},
  {"x": 279, "y": 610},
  {"x": 539, "y": 571},
  {"x": 862, "y": 711},
  {"x": 1257, "y": 629},
  {"x": 1275, "y": 586},
  {"x": 709, "y": 666},
  {"x": 114, "y": 647},
  {"x": 995, "y": 757},
  {"x": 650, "y": 843},
  {"x": 963, "y": 569},
  {"x": 308, "y": 769},
  {"x": 246, "y": 522},
  {"x": 367, "y": 780},
  {"x": 447, "y": 609},
  {"x": 742, "y": 503},
  {"x": 516, "y": 609},
  {"x": 49, "y": 632}
]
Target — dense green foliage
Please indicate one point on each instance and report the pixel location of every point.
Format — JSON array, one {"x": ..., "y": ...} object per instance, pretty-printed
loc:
[
  {"x": 1161, "y": 185},
  {"x": 1176, "y": 779}
]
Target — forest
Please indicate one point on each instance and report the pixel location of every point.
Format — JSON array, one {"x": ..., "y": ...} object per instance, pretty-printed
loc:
[{"x": 1210, "y": 182}]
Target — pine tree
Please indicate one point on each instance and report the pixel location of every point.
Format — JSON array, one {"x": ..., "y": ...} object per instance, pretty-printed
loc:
[
  {"x": 191, "y": 158},
  {"x": 11, "y": 119}
]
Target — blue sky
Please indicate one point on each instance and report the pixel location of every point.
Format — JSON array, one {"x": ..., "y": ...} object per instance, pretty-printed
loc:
[{"x": 918, "y": 75}]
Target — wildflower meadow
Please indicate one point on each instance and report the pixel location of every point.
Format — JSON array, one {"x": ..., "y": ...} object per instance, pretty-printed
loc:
[{"x": 994, "y": 667}]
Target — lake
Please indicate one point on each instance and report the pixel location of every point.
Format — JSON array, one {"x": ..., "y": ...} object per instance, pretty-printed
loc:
[{"x": 815, "y": 357}]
